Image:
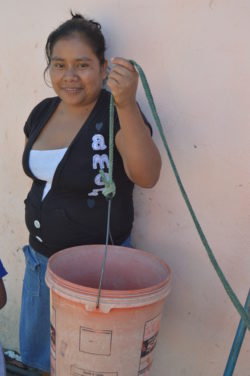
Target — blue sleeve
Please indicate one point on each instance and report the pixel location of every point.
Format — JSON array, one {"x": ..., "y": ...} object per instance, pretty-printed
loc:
[{"x": 2, "y": 270}]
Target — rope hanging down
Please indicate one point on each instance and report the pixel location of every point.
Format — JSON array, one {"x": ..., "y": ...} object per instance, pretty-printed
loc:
[
  {"x": 245, "y": 317},
  {"x": 109, "y": 192}
]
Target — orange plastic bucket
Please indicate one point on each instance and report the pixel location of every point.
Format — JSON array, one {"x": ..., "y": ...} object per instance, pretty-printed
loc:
[{"x": 118, "y": 338}]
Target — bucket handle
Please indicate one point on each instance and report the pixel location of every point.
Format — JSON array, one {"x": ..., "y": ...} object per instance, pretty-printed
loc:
[{"x": 105, "y": 253}]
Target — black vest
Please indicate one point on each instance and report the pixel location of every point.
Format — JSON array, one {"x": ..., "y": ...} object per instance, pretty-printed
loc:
[{"x": 74, "y": 212}]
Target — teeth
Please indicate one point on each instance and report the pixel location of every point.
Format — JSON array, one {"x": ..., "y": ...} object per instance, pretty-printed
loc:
[{"x": 72, "y": 90}]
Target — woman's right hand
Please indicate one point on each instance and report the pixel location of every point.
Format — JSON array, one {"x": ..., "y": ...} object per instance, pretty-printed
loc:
[{"x": 123, "y": 82}]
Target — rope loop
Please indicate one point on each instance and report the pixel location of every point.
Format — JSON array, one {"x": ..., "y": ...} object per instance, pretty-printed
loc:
[{"x": 110, "y": 189}]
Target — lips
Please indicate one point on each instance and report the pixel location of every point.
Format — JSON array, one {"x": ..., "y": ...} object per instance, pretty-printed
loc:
[{"x": 72, "y": 90}]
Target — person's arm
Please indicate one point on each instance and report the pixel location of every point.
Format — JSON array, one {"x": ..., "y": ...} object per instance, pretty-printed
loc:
[
  {"x": 3, "y": 296},
  {"x": 140, "y": 155}
]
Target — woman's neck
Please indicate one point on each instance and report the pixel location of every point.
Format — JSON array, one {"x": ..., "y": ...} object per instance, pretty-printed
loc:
[{"x": 75, "y": 111}]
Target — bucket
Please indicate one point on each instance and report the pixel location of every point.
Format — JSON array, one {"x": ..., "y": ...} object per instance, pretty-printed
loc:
[{"x": 118, "y": 338}]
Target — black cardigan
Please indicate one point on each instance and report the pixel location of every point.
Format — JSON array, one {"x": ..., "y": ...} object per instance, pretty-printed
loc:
[{"x": 74, "y": 212}]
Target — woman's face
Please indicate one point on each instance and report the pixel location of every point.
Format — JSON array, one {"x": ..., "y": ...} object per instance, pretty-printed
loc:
[{"x": 75, "y": 71}]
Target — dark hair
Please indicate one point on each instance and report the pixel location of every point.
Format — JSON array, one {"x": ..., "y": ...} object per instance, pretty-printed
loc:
[{"x": 90, "y": 30}]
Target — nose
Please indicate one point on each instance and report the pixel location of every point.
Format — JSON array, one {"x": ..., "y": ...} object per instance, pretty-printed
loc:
[{"x": 70, "y": 74}]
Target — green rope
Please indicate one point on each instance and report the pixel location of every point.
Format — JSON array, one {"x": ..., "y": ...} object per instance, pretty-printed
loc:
[
  {"x": 244, "y": 315},
  {"x": 109, "y": 190}
]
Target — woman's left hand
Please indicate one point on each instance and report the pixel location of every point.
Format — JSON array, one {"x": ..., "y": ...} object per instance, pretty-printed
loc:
[{"x": 123, "y": 82}]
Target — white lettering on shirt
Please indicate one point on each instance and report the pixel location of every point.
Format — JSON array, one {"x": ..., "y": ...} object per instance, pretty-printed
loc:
[
  {"x": 95, "y": 192},
  {"x": 99, "y": 161},
  {"x": 98, "y": 142},
  {"x": 98, "y": 179}
]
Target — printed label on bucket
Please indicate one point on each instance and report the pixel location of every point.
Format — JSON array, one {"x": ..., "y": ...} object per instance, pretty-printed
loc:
[
  {"x": 53, "y": 340},
  {"x": 151, "y": 331},
  {"x": 97, "y": 342},
  {"x": 75, "y": 371}
]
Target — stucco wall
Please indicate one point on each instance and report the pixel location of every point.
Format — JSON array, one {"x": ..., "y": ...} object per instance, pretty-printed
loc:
[{"x": 196, "y": 55}]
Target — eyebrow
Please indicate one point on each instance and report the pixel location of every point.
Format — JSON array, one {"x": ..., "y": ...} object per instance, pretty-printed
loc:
[{"x": 57, "y": 58}]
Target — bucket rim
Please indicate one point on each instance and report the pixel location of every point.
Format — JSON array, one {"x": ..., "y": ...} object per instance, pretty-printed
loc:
[{"x": 107, "y": 293}]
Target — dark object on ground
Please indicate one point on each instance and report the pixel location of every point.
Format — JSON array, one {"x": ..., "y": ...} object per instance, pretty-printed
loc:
[{"x": 14, "y": 366}]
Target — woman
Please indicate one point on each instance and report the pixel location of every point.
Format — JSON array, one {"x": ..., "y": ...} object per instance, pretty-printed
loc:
[{"x": 66, "y": 145}]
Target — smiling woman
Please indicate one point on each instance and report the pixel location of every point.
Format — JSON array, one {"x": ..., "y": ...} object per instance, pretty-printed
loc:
[
  {"x": 66, "y": 145},
  {"x": 75, "y": 72}
]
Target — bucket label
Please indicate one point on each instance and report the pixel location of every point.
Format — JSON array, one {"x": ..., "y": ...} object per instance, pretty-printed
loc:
[
  {"x": 97, "y": 342},
  {"x": 53, "y": 340},
  {"x": 75, "y": 371},
  {"x": 151, "y": 330},
  {"x": 53, "y": 331}
]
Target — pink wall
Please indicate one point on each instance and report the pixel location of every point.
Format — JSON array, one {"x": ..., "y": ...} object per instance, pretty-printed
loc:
[{"x": 196, "y": 55}]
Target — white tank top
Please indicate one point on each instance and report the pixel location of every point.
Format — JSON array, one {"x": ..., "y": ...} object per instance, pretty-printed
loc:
[{"x": 43, "y": 164}]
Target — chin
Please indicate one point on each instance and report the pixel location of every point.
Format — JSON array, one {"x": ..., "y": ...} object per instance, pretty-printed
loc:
[{"x": 73, "y": 100}]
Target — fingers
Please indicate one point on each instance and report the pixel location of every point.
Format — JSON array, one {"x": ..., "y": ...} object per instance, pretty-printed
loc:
[
  {"x": 115, "y": 77},
  {"x": 122, "y": 71},
  {"x": 122, "y": 81},
  {"x": 119, "y": 61},
  {"x": 118, "y": 73}
]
